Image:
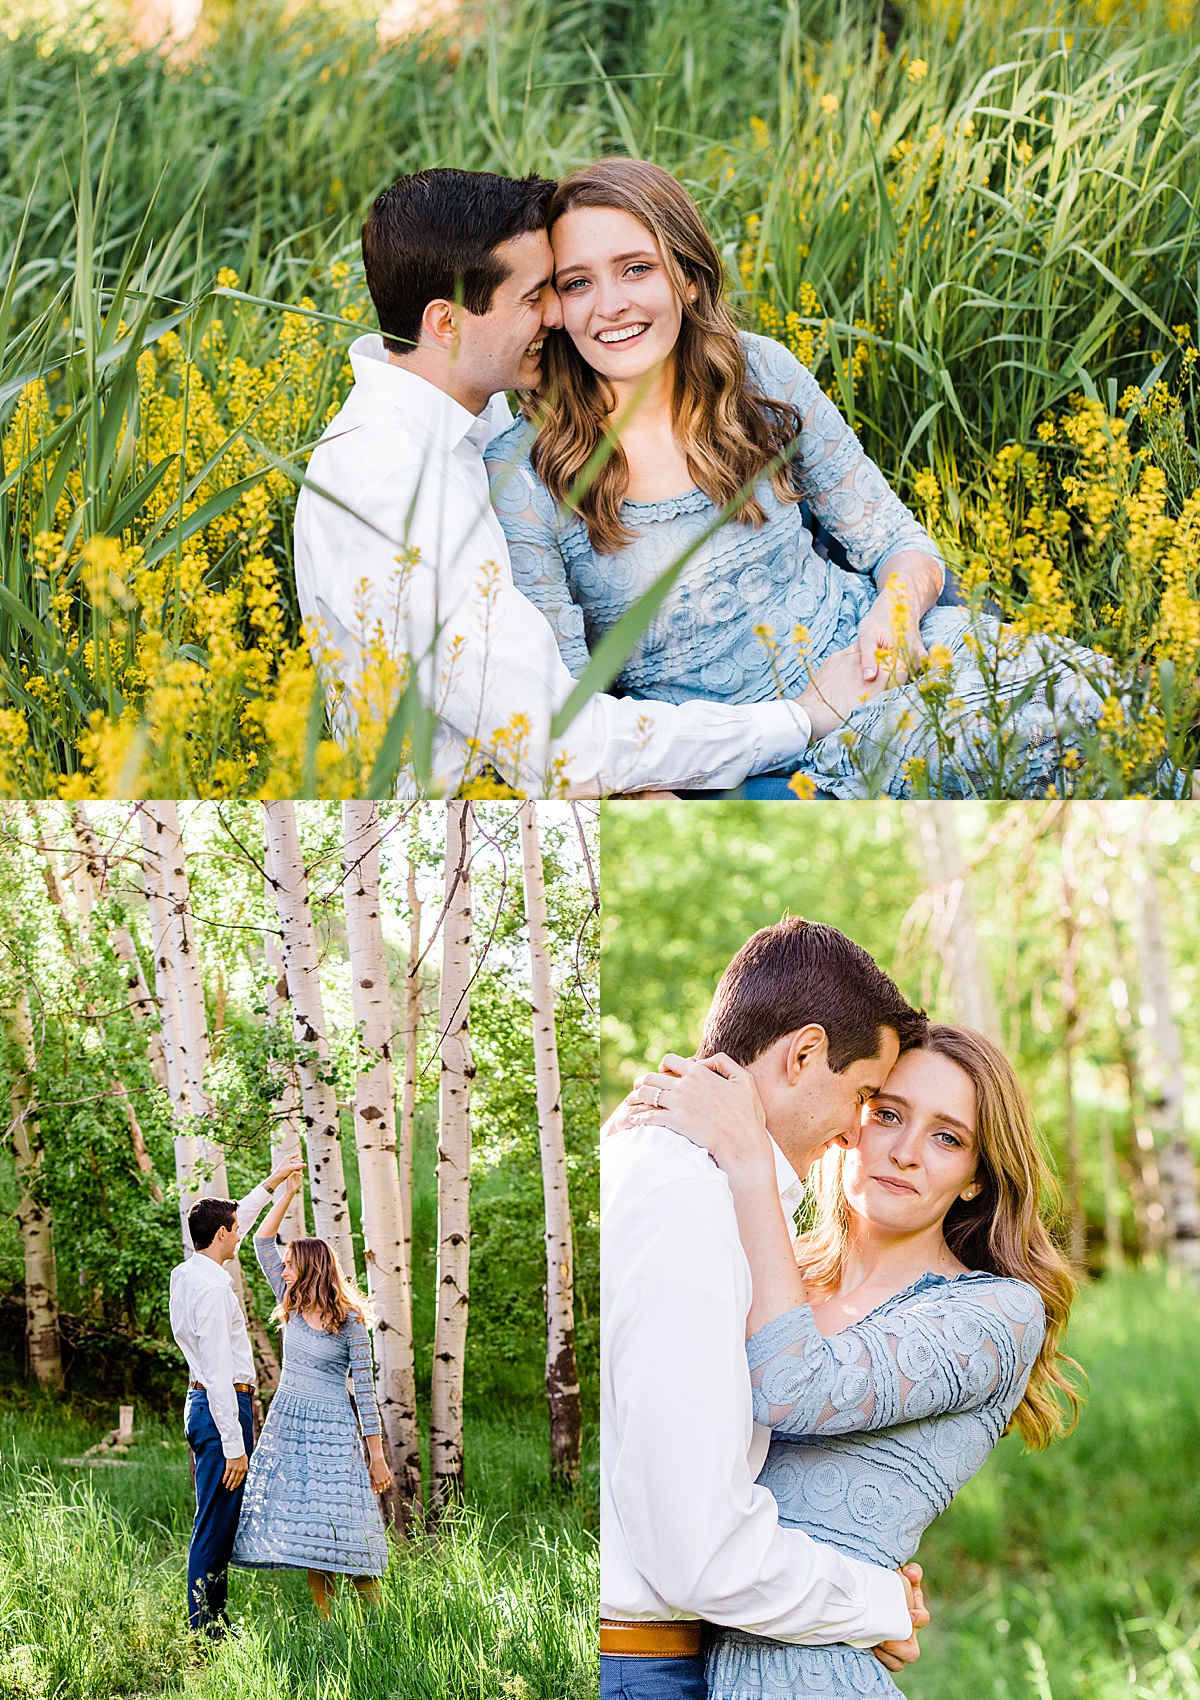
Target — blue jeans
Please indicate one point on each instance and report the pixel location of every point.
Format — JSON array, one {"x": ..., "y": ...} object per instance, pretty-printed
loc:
[
  {"x": 651, "y": 1679},
  {"x": 217, "y": 1511}
]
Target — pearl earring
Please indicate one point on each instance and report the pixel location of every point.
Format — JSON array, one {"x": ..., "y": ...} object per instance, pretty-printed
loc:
[{"x": 971, "y": 1192}]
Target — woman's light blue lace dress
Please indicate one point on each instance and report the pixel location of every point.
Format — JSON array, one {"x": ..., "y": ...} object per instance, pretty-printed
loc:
[
  {"x": 308, "y": 1503},
  {"x": 875, "y": 1431},
  {"x": 703, "y": 644}
]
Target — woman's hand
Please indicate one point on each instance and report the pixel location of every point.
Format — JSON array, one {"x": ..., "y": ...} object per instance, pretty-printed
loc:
[
  {"x": 381, "y": 1476},
  {"x": 293, "y": 1181},
  {"x": 890, "y": 633},
  {"x": 714, "y": 1103}
]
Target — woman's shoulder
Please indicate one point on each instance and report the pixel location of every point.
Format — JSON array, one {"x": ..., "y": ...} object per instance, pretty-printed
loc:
[
  {"x": 774, "y": 368},
  {"x": 511, "y": 446},
  {"x": 1018, "y": 1301}
]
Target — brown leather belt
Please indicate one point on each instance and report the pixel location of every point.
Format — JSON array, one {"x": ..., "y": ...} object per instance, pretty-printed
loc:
[
  {"x": 681, "y": 1639},
  {"x": 238, "y": 1387}
]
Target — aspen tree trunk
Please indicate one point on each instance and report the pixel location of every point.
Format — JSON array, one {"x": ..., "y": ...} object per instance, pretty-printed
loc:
[
  {"x": 1072, "y": 1021},
  {"x": 166, "y": 991},
  {"x": 89, "y": 891},
  {"x": 326, "y": 1180},
  {"x": 1145, "y": 1188},
  {"x": 1114, "y": 1249},
  {"x": 956, "y": 934},
  {"x": 375, "y": 1136},
  {"x": 454, "y": 1165},
  {"x": 1164, "y": 1076},
  {"x": 85, "y": 897},
  {"x": 562, "y": 1375},
  {"x": 412, "y": 1030},
  {"x": 33, "y": 1213},
  {"x": 285, "y": 1138}
]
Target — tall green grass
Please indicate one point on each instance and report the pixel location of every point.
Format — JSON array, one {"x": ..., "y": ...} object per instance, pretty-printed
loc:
[
  {"x": 1074, "y": 1574},
  {"x": 501, "y": 1603}
]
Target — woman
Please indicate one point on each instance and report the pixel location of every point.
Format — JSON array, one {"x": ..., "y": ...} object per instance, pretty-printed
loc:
[
  {"x": 650, "y": 354},
  {"x": 309, "y": 1502},
  {"x": 915, "y": 1322}
]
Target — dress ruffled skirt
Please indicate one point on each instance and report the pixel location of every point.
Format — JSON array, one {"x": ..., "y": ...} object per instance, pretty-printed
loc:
[
  {"x": 747, "y": 1667},
  {"x": 308, "y": 1502}
]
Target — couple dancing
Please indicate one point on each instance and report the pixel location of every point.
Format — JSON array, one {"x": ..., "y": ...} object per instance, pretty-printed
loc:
[
  {"x": 302, "y": 1499},
  {"x": 782, "y": 1418},
  {"x": 659, "y": 446}
]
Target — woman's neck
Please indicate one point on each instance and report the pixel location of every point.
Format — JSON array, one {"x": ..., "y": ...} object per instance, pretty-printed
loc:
[
  {"x": 644, "y": 404},
  {"x": 883, "y": 1258}
]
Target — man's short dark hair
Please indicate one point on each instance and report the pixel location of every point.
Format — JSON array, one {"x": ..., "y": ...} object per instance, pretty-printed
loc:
[
  {"x": 433, "y": 236},
  {"x": 800, "y": 972},
  {"x": 206, "y": 1216}
]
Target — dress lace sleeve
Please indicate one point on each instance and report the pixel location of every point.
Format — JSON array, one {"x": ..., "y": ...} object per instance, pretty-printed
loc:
[
  {"x": 954, "y": 1349},
  {"x": 271, "y": 1264},
  {"x": 844, "y": 488},
  {"x": 363, "y": 1372},
  {"x": 532, "y": 525}
]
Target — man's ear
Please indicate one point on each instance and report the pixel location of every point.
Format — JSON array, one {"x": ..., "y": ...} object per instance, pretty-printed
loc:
[
  {"x": 439, "y": 324},
  {"x": 806, "y": 1046}
]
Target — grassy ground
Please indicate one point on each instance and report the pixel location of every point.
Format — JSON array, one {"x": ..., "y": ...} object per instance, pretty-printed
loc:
[
  {"x": 500, "y": 1607},
  {"x": 1074, "y": 1574}
]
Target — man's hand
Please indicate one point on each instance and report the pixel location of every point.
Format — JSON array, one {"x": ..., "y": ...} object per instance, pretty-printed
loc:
[
  {"x": 836, "y": 689},
  {"x": 288, "y": 1166},
  {"x": 894, "y": 1655},
  {"x": 235, "y": 1472}
]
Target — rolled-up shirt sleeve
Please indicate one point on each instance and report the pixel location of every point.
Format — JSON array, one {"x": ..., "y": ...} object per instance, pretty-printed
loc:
[
  {"x": 251, "y": 1208},
  {"x": 698, "y": 1529}
]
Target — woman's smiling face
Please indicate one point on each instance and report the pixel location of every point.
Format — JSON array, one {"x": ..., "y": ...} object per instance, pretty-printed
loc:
[
  {"x": 918, "y": 1149},
  {"x": 620, "y": 307}
]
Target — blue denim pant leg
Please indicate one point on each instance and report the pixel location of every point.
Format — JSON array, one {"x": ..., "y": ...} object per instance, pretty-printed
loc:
[
  {"x": 217, "y": 1512},
  {"x": 651, "y": 1679}
]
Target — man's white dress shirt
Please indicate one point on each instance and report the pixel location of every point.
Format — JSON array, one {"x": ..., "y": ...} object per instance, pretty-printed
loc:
[
  {"x": 406, "y": 463},
  {"x": 684, "y": 1530},
  {"x": 210, "y": 1329}
]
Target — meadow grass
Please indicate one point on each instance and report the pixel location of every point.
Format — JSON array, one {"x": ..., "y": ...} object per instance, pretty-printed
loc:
[
  {"x": 1074, "y": 1574},
  {"x": 984, "y": 242},
  {"x": 500, "y": 1603}
]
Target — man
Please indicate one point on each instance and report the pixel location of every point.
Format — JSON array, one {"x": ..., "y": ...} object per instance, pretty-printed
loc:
[
  {"x": 685, "y": 1534},
  {"x": 397, "y": 544},
  {"x": 210, "y": 1330}
]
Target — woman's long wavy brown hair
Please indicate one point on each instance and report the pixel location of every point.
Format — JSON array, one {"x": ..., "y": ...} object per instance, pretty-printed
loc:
[
  {"x": 730, "y": 431},
  {"x": 1001, "y": 1229},
  {"x": 320, "y": 1286}
]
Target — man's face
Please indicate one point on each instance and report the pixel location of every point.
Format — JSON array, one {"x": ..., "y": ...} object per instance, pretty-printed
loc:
[
  {"x": 810, "y": 1106},
  {"x": 502, "y": 348}
]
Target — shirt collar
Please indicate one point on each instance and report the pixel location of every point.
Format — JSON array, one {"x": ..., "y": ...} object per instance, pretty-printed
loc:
[
  {"x": 204, "y": 1265},
  {"x": 377, "y": 380},
  {"x": 791, "y": 1187}
]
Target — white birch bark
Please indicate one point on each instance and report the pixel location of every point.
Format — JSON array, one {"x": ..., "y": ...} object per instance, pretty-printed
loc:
[
  {"x": 285, "y": 1136},
  {"x": 955, "y": 933},
  {"x": 166, "y": 992},
  {"x": 379, "y": 1174},
  {"x": 326, "y": 1180},
  {"x": 1163, "y": 1075},
  {"x": 33, "y": 1213},
  {"x": 454, "y": 1165},
  {"x": 412, "y": 1030},
  {"x": 562, "y": 1376},
  {"x": 90, "y": 882}
]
